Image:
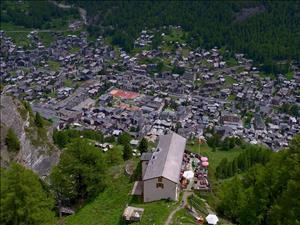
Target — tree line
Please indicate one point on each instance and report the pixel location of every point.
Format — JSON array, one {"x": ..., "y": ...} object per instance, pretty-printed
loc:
[
  {"x": 214, "y": 140},
  {"x": 82, "y": 171},
  {"x": 269, "y": 36},
  {"x": 252, "y": 155},
  {"x": 266, "y": 37},
  {"x": 34, "y": 14},
  {"x": 266, "y": 193},
  {"x": 24, "y": 198},
  {"x": 80, "y": 175},
  {"x": 291, "y": 109}
]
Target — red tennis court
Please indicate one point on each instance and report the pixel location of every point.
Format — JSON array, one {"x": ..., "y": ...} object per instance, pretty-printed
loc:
[{"x": 124, "y": 94}]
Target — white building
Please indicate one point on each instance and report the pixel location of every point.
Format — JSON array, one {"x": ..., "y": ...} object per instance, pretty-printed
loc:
[{"x": 161, "y": 169}]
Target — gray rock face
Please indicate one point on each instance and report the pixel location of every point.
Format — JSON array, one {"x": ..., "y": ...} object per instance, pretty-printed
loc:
[{"x": 38, "y": 158}]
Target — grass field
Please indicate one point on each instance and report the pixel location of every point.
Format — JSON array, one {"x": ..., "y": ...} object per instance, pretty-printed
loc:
[
  {"x": 214, "y": 157},
  {"x": 46, "y": 38},
  {"x": 231, "y": 97},
  {"x": 108, "y": 207},
  {"x": 183, "y": 217},
  {"x": 289, "y": 75},
  {"x": 20, "y": 37},
  {"x": 231, "y": 62},
  {"x": 229, "y": 80},
  {"x": 74, "y": 50},
  {"x": 176, "y": 35},
  {"x": 271, "y": 75},
  {"x": 53, "y": 65},
  {"x": 185, "y": 52}
]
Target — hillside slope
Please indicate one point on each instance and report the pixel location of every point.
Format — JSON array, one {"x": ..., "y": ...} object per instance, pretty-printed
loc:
[
  {"x": 267, "y": 31},
  {"x": 36, "y": 148}
]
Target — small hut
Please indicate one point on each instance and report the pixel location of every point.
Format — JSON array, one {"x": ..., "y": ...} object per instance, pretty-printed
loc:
[{"x": 132, "y": 214}]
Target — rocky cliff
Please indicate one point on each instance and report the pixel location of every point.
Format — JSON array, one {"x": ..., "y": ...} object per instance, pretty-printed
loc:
[{"x": 37, "y": 150}]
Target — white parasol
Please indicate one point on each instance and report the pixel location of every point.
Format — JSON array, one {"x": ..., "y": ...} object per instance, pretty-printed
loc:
[
  {"x": 188, "y": 174},
  {"x": 212, "y": 219}
]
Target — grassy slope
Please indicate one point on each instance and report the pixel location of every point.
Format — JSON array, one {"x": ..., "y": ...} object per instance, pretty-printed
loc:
[
  {"x": 20, "y": 38},
  {"x": 183, "y": 217},
  {"x": 46, "y": 38},
  {"x": 53, "y": 65},
  {"x": 108, "y": 207},
  {"x": 214, "y": 157}
]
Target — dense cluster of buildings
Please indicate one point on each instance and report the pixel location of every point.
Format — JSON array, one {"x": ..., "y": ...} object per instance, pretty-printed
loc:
[{"x": 89, "y": 84}]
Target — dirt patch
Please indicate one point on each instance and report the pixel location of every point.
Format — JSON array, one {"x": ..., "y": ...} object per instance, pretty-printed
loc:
[
  {"x": 129, "y": 168},
  {"x": 245, "y": 13}
]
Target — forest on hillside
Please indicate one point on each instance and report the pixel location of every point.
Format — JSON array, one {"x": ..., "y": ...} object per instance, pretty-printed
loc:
[
  {"x": 270, "y": 35},
  {"x": 35, "y": 14},
  {"x": 260, "y": 186},
  {"x": 268, "y": 192},
  {"x": 267, "y": 31}
]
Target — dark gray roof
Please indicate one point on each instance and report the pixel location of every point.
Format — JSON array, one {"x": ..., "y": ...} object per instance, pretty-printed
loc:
[
  {"x": 146, "y": 156},
  {"x": 166, "y": 160}
]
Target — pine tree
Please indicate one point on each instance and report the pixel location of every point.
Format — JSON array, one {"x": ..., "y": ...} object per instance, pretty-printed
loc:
[
  {"x": 114, "y": 156},
  {"x": 234, "y": 166},
  {"x": 143, "y": 146},
  {"x": 222, "y": 168},
  {"x": 80, "y": 173},
  {"x": 127, "y": 152},
  {"x": 263, "y": 193},
  {"x": 12, "y": 141},
  {"x": 23, "y": 200},
  {"x": 124, "y": 138},
  {"x": 38, "y": 120}
]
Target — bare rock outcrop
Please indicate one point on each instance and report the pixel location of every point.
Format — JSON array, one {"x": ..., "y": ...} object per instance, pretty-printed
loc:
[{"x": 37, "y": 152}]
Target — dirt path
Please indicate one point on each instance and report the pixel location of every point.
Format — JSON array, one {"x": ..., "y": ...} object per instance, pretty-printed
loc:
[
  {"x": 186, "y": 194},
  {"x": 82, "y": 12},
  {"x": 208, "y": 208}
]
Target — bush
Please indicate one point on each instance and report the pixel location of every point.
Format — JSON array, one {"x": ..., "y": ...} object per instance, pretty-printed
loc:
[
  {"x": 178, "y": 70},
  {"x": 12, "y": 141},
  {"x": 114, "y": 156},
  {"x": 143, "y": 146},
  {"x": 39, "y": 122},
  {"x": 124, "y": 138},
  {"x": 64, "y": 137},
  {"x": 127, "y": 152}
]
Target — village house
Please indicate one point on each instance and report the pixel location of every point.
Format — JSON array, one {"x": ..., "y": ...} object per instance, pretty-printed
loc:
[
  {"x": 161, "y": 171},
  {"x": 59, "y": 80}
]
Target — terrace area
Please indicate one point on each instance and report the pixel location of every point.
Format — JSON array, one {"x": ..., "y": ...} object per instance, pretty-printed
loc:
[{"x": 194, "y": 172}]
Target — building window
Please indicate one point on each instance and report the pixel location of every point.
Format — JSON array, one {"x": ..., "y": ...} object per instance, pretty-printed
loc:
[
  {"x": 159, "y": 185},
  {"x": 160, "y": 179}
]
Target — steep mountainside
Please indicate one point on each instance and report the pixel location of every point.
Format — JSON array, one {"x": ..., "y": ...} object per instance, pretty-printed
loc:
[{"x": 36, "y": 148}]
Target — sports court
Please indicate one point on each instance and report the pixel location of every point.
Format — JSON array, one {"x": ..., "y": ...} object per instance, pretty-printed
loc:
[{"x": 124, "y": 94}]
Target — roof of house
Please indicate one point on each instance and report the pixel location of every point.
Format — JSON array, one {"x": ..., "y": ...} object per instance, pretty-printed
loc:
[
  {"x": 167, "y": 159},
  {"x": 146, "y": 156}
]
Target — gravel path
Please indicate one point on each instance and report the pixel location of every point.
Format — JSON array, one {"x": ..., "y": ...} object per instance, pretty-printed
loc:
[{"x": 181, "y": 206}]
